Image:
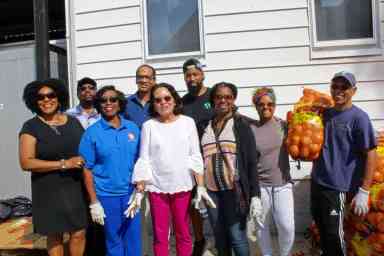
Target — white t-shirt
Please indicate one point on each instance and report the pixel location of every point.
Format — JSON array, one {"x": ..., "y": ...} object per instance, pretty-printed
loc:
[{"x": 169, "y": 154}]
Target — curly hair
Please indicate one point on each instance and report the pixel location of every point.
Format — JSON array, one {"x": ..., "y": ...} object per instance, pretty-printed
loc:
[
  {"x": 179, "y": 105},
  {"x": 32, "y": 89},
  {"x": 102, "y": 91},
  {"x": 214, "y": 89}
]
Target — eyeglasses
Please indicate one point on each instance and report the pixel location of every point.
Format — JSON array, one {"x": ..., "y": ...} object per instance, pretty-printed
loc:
[
  {"x": 138, "y": 78},
  {"x": 341, "y": 87},
  {"x": 109, "y": 99},
  {"x": 83, "y": 88},
  {"x": 263, "y": 105},
  {"x": 225, "y": 97},
  {"x": 51, "y": 95},
  {"x": 166, "y": 99}
]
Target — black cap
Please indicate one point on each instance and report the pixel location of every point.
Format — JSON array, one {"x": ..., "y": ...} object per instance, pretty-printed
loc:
[
  {"x": 192, "y": 63},
  {"x": 86, "y": 80}
]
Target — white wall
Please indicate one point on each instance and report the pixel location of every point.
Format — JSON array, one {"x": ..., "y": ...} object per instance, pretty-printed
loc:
[{"x": 248, "y": 42}]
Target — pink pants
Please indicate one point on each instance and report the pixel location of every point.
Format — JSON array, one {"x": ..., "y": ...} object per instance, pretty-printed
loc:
[{"x": 176, "y": 205}]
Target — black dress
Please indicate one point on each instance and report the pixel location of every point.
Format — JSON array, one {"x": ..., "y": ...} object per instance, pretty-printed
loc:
[{"x": 58, "y": 198}]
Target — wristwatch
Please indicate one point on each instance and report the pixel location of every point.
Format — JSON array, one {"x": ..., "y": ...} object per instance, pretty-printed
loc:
[{"x": 62, "y": 165}]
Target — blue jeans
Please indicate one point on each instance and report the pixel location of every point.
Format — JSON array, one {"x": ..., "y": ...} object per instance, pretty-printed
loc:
[
  {"x": 122, "y": 234},
  {"x": 229, "y": 227}
]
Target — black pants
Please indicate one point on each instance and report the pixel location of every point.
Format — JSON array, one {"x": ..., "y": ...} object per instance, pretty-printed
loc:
[
  {"x": 327, "y": 207},
  {"x": 95, "y": 245}
]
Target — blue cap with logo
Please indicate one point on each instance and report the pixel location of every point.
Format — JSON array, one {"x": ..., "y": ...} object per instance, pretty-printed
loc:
[{"x": 346, "y": 75}]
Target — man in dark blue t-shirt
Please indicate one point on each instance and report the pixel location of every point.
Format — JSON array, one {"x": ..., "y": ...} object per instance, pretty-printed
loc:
[{"x": 346, "y": 164}]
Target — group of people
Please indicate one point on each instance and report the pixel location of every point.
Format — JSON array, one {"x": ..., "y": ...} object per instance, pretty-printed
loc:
[{"x": 112, "y": 154}]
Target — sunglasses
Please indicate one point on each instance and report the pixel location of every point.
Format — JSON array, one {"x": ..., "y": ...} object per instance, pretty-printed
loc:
[
  {"x": 104, "y": 100},
  {"x": 343, "y": 87},
  {"x": 83, "y": 88},
  {"x": 269, "y": 105},
  {"x": 225, "y": 97},
  {"x": 51, "y": 95},
  {"x": 159, "y": 100}
]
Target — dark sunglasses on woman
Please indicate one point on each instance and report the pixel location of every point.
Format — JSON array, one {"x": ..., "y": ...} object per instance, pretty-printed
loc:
[
  {"x": 50, "y": 96},
  {"x": 110, "y": 99}
]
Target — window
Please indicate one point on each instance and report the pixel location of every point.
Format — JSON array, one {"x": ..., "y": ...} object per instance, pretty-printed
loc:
[
  {"x": 172, "y": 28},
  {"x": 342, "y": 25},
  {"x": 16, "y": 21}
]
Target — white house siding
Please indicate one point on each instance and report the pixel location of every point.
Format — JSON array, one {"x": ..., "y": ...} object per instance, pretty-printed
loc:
[{"x": 248, "y": 42}]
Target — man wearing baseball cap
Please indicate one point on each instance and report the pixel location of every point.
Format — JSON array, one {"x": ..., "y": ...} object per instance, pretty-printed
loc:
[
  {"x": 85, "y": 112},
  {"x": 345, "y": 165},
  {"x": 87, "y": 115},
  {"x": 196, "y": 101},
  {"x": 196, "y": 104}
]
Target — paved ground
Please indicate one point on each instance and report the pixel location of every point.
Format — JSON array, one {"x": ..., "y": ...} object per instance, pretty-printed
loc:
[{"x": 301, "y": 248}]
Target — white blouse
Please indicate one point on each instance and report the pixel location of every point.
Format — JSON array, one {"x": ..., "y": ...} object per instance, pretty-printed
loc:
[{"x": 169, "y": 153}]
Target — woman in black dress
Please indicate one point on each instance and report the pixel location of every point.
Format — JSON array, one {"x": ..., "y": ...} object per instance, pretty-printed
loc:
[{"x": 48, "y": 148}]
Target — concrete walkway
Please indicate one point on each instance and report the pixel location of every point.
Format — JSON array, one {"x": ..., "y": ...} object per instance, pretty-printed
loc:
[{"x": 301, "y": 248}]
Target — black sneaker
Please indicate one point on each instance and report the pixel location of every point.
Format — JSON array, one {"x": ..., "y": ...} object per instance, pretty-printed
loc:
[{"x": 199, "y": 247}]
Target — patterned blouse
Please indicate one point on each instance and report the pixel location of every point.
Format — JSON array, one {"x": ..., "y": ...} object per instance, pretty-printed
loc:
[{"x": 217, "y": 174}]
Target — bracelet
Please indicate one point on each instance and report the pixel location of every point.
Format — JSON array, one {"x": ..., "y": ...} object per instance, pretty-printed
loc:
[{"x": 62, "y": 165}]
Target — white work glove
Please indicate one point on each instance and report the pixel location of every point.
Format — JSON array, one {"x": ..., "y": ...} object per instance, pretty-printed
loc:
[
  {"x": 97, "y": 213},
  {"x": 201, "y": 193},
  {"x": 360, "y": 202},
  {"x": 134, "y": 204},
  {"x": 256, "y": 212},
  {"x": 251, "y": 229}
]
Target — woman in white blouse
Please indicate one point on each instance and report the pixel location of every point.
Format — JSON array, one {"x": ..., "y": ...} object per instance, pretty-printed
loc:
[{"x": 169, "y": 164}]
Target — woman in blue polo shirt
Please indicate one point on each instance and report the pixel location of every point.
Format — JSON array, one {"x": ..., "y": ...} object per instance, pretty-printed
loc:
[{"x": 110, "y": 149}]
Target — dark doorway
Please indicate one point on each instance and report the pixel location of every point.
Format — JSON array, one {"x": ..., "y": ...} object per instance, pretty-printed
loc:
[{"x": 16, "y": 20}]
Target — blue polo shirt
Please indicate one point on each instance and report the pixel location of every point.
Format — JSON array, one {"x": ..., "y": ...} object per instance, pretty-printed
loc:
[
  {"x": 347, "y": 135},
  {"x": 136, "y": 112},
  {"x": 110, "y": 154}
]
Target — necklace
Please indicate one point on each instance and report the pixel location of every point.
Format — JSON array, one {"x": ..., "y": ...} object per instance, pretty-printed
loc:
[
  {"x": 54, "y": 128},
  {"x": 52, "y": 125}
]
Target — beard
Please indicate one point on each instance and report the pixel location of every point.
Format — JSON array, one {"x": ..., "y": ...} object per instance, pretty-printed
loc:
[
  {"x": 194, "y": 89},
  {"x": 86, "y": 102}
]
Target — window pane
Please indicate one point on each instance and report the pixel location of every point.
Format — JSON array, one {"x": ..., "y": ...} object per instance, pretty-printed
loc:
[
  {"x": 343, "y": 19},
  {"x": 173, "y": 26}
]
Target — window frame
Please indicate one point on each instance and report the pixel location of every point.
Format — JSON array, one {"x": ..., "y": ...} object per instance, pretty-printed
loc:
[
  {"x": 147, "y": 56},
  {"x": 347, "y": 47}
]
